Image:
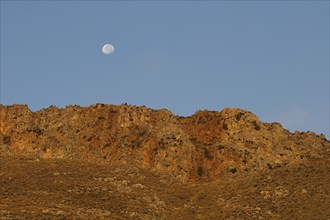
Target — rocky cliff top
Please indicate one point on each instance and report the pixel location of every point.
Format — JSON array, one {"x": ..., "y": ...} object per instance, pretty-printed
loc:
[{"x": 200, "y": 147}]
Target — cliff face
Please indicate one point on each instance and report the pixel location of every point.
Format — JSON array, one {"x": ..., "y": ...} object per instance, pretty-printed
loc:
[{"x": 203, "y": 146}]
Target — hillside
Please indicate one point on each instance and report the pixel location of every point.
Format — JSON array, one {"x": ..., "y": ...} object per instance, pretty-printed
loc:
[{"x": 186, "y": 166}]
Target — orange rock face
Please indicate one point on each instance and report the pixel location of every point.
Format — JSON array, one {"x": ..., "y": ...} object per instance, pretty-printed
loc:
[{"x": 201, "y": 147}]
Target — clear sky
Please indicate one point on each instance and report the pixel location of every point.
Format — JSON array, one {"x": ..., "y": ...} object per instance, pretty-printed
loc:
[{"x": 268, "y": 57}]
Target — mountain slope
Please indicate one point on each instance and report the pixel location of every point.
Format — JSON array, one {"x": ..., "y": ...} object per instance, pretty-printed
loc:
[
  {"x": 201, "y": 147},
  {"x": 128, "y": 162}
]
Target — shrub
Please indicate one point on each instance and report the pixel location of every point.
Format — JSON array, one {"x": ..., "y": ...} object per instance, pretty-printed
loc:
[
  {"x": 233, "y": 170},
  {"x": 256, "y": 126},
  {"x": 6, "y": 140},
  {"x": 200, "y": 171},
  {"x": 239, "y": 116},
  {"x": 207, "y": 154}
]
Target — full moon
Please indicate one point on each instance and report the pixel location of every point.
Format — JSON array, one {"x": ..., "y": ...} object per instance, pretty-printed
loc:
[{"x": 108, "y": 49}]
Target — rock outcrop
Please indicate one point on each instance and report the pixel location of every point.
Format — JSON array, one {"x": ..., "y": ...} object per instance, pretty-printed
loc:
[{"x": 201, "y": 147}]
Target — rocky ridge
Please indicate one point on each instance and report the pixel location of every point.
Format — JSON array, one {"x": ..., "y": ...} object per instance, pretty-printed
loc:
[{"x": 201, "y": 147}]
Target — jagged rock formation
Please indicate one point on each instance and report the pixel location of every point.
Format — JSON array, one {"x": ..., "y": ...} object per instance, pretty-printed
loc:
[{"x": 203, "y": 146}]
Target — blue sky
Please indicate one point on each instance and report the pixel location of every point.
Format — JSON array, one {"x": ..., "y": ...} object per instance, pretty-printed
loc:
[{"x": 271, "y": 57}]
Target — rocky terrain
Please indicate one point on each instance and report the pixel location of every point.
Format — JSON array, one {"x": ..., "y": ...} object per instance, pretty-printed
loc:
[{"x": 129, "y": 162}]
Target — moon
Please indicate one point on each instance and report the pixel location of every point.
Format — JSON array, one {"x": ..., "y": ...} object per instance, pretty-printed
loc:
[{"x": 108, "y": 49}]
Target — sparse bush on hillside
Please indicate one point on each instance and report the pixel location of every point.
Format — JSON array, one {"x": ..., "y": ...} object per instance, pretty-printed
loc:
[
  {"x": 256, "y": 126},
  {"x": 6, "y": 140},
  {"x": 239, "y": 116},
  {"x": 141, "y": 133},
  {"x": 207, "y": 154},
  {"x": 200, "y": 171},
  {"x": 161, "y": 143}
]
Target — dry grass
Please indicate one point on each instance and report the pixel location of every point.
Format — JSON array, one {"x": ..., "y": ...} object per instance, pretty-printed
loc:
[{"x": 69, "y": 189}]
